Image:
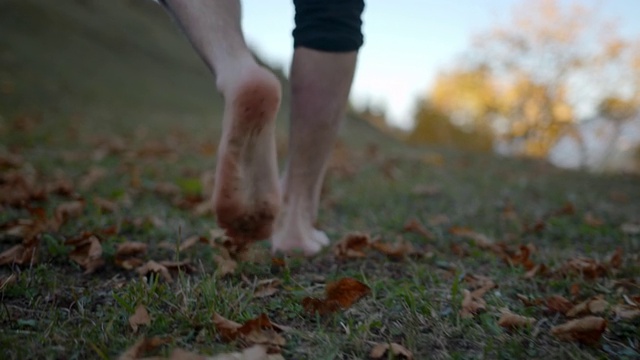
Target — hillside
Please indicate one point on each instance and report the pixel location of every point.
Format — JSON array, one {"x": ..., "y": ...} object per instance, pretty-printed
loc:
[{"x": 112, "y": 64}]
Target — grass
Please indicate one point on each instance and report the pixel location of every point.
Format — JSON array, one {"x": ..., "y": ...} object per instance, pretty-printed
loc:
[{"x": 75, "y": 81}]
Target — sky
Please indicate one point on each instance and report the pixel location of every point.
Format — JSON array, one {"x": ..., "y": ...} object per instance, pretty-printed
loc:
[{"x": 407, "y": 42}]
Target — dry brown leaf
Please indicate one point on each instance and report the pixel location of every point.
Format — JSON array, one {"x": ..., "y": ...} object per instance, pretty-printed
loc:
[
  {"x": 480, "y": 283},
  {"x": 526, "y": 301},
  {"x": 143, "y": 345},
  {"x": 19, "y": 254},
  {"x": 615, "y": 260},
  {"x": 626, "y": 312},
  {"x": 191, "y": 241},
  {"x": 255, "y": 331},
  {"x": 471, "y": 305},
  {"x": 587, "y": 330},
  {"x": 181, "y": 354},
  {"x": 594, "y": 306},
  {"x": 352, "y": 246},
  {"x": 559, "y": 304},
  {"x": 266, "y": 288},
  {"x": 398, "y": 351},
  {"x": 154, "y": 267},
  {"x": 105, "y": 205},
  {"x": 592, "y": 220},
  {"x": 397, "y": 251},
  {"x": 87, "y": 252},
  {"x": 346, "y": 291},
  {"x": 139, "y": 317},
  {"x": 480, "y": 240},
  {"x": 131, "y": 248},
  {"x": 414, "y": 225},
  {"x": 338, "y": 295},
  {"x": 94, "y": 175},
  {"x": 539, "y": 269},
  {"x": 175, "y": 266},
  {"x": 68, "y": 210},
  {"x": 510, "y": 320},
  {"x": 589, "y": 268},
  {"x": 256, "y": 352},
  {"x": 226, "y": 266}
]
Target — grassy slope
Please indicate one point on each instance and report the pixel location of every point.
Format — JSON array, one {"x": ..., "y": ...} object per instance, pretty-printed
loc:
[{"x": 75, "y": 74}]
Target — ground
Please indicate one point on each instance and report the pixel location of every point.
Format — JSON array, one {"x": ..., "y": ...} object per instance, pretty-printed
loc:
[{"x": 112, "y": 133}]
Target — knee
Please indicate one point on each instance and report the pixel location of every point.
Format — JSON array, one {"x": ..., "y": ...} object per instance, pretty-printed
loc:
[{"x": 328, "y": 25}]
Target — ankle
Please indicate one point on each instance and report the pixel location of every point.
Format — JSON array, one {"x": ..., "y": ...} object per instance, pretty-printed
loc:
[{"x": 246, "y": 72}]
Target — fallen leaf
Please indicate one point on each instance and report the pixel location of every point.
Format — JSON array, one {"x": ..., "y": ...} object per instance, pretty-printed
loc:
[
  {"x": 480, "y": 240},
  {"x": 398, "y": 250},
  {"x": 626, "y": 312},
  {"x": 587, "y": 330},
  {"x": 589, "y": 268},
  {"x": 175, "y": 266},
  {"x": 94, "y": 175},
  {"x": 615, "y": 260},
  {"x": 139, "y": 317},
  {"x": 255, "y": 331},
  {"x": 480, "y": 283},
  {"x": 18, "y": 254},
  {"x": 105, "y": 205},
  {"x": 526, "y": 301},
  {"x": 539, "y": 269},
  {"x": 459, "y": 250},
  {"x": 510, "y": 320},
  {"x": 338, "y": 295},
  {"x": 471, "y": 305},
  {"x": 397, "y": 350},
  {"x": 266, "y": 288},
  {"x": 142, "y": 346},
  {"x": 191, "y": 241},
  {"x": 226, "y": 266},
  {"x": 594, "y": 306},
  {"x": 346, "y": 291},
  {"x": 592, "y": 220},
  {"x": 558, "y": 304},
  {"x": 154, "y": 267},
  {"x": 68, "y": 210},
  {"x": 413, "y": 225},
  {"x": 87, "y": 252},
  {"x": 352, "y": 246},
  {"x": 256, "y": 352},
  {"x": 131, "y": 248},
  {"x": 181, "y": 354}
]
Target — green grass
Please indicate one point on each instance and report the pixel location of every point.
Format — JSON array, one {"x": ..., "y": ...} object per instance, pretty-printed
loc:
[{"x": 82, "y": 73}]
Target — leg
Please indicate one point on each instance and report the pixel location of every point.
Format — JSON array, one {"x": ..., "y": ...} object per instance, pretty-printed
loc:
[
  {"x": 246, "y": 195},
  {"x": 320, "y": 84}
]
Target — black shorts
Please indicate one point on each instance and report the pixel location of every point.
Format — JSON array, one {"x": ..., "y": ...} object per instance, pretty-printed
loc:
[{"x": 328, "y": 25}]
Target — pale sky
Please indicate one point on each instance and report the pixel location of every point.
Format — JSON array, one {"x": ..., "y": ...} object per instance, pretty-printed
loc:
[{"x": 406, "y": 41}]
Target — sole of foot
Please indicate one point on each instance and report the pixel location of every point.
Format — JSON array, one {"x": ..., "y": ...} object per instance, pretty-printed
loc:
[{"x": 247, "y": 194}]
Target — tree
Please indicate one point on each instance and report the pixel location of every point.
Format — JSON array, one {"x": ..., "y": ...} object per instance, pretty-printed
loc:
[{"x": 529, "y": 81}]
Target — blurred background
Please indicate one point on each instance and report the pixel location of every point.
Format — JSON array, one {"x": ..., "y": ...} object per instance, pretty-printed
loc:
[{"x": 557, "y": 80}]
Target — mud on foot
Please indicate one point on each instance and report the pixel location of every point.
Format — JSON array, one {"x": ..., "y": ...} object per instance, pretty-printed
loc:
[{"x": 247, "y": 194}]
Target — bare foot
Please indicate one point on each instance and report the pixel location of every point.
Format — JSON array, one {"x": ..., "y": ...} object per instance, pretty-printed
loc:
[
  {"x": 247, "y": 195},
  {"x": 295, "y": 232}
]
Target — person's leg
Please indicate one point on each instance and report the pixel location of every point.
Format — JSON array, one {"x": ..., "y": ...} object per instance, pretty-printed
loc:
[
  {"x": 247, "y": 194},
  {"x": 321, "y": 75}
]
